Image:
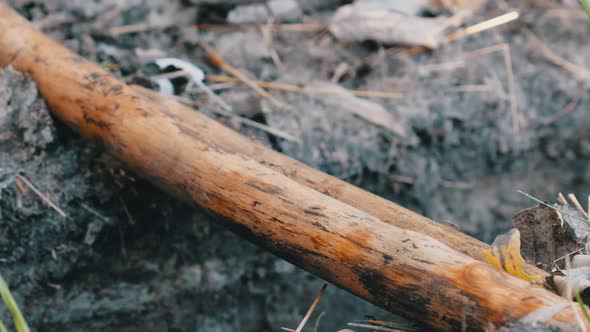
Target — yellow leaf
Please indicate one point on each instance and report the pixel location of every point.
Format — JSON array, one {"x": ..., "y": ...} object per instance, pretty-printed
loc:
[{"x": 504, "y": 254}]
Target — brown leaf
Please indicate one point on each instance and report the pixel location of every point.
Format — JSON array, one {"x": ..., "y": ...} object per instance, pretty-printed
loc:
[
  {"x": 363, "y": 108},
  {"x": 544, "y": 237},
  {"x": 356, "y": 23}
]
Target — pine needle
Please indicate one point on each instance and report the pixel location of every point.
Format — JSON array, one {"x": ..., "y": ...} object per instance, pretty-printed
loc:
[{"x": 551, "y": 206}]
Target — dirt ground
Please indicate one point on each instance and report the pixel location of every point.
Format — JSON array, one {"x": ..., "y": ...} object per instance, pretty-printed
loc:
[{"x": 128, "y": 257}]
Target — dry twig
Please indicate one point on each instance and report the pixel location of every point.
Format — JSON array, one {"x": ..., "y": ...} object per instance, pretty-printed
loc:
[
  {"x": 561, "y": 199},
  {"x": 307, "y": 90},
  {"x": 311, "y": 308},
  {"x": 573, "y": 69},
  {"x": 577, "y": 205},
  {"x": 260, "y": 126},
  {"x": 485, "y": 25},
  {"x": 289, "y": 27},
  {"x": 571, "y": 105},
  {"x": 20, "y": 186},
  {"x": 267, "y": 35},
  {"x": 216, "y": 59}
]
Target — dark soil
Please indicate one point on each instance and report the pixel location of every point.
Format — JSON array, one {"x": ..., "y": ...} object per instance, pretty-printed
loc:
[{"x": 128, "y": 257}]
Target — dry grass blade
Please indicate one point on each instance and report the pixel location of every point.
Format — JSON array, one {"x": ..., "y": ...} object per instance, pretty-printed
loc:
[
  {"x": 486, "y": 25},
  {"x": 43, "y": 197},
  {"x": 20, "y": 186},
  {"x": 126, "y": 29},
  {"x": 573, "y": 69},
  {"x": 567, "y": 109},
  {"x": 577, "y": 204},
  {"x": 561, "y": 199},
  {"x": 260, "y": 126},
  {"x": 289, "y": 27},
  {"x": 216, "y": 59},
  {"x": 452, "y": 21},
  {"x": 568, "y": 255},
  {"x": 471, "y": 88},
  {"x": 267, "y": 35},
  {"x": 374, "y": 327},
  {"x": 505, "y": 49},
  {"x": 300, "y": 89},
  {"x": 311, "y": 308},
  {"x": 399, "y": 326}
]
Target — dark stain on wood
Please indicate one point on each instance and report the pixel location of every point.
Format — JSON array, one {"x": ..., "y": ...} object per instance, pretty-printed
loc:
[
  {"x": 320, "y": 226},
  {"x": 142, "y": 112},
  {"x": 98, "y": 123},
  {"x": 15, "y": 55},
  {"x": 265, "y": 188},
  {"x": 275, "y": 219},
  {"x": 423, "y": 261},
  {"x": 387, "y": 259},
  {"x": 40, "y": 60},
  {"x": 314, "y": 213}
]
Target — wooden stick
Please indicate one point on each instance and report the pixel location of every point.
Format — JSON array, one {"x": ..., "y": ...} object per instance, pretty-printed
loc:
[
  {"x": 403, "y": 271},
  {"x": 385, "y": 210}
]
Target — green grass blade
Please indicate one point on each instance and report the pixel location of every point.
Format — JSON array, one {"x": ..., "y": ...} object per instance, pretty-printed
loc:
[
  {"x": 19, "y": 321},
  {"x": 586, "y": 5},
  {"x": 581, "y": 303},
  {"x": 2, "y": 327},
  {"x": 551, "y": 206},
  {"x": 317, "y": 322}
]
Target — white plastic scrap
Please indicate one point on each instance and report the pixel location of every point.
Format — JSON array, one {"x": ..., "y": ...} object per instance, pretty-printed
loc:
[{"x": 196, "y": 75}]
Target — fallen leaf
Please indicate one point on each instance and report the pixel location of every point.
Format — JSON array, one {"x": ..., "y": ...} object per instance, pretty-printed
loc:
[
  {"x": 578, "y": 223},
  {"x": 574, "y": 280},
  {"x": 504, "y": 254},
  {"x": 544, "y": 237},
  {"x": 356, "y": 23},
  {"x": 580, "y": 261},
  {"x": 363, "y": 108},
  {"x": 282, "y": 10}
]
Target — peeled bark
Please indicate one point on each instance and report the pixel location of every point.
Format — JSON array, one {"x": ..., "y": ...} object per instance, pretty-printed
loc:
[{"x": 276, "y": 202}]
